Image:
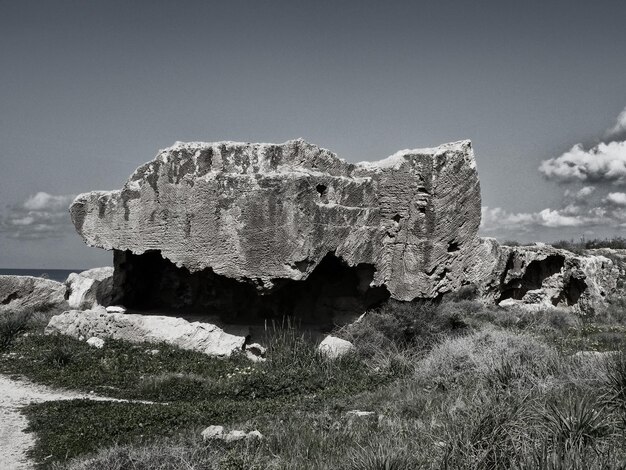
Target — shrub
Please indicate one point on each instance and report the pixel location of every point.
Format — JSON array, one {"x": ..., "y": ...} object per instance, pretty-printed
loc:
[
  {"x": 11, "y": 325},
  {"x": 399, "y": 326},
  {"x": 489, "y": 434},
  {"x": 491, "y": 356},
  {"x": 60, "y": 354},
  {"x": 574, "y": 423}
]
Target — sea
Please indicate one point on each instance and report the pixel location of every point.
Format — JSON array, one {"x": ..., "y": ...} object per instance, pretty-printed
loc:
[{"x": 54, "y": 274}]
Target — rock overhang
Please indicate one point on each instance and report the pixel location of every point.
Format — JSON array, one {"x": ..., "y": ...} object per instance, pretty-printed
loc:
[{"x": 264, "y": 213}]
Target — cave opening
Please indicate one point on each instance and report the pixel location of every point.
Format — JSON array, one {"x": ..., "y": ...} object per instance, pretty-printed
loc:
[
  {"x": 534, "y": 275},
  {"x": 332, "y": 291}
]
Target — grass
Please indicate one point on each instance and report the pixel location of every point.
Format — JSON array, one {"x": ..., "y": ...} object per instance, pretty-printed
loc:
[{"x": 452, "y": 385}]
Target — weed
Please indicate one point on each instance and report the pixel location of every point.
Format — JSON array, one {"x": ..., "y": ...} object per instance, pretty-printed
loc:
[{"x": 11, "y": 325}]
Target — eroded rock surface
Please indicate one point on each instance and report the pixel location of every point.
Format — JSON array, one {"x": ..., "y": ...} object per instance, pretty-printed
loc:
[
  {"x": 27, "y": 293},
  {"x": 540, "y": 276},
  {"x": 90, "y": 288},
  {"x": 267, "y": 214},
  {"x": 196, "y": 336}
]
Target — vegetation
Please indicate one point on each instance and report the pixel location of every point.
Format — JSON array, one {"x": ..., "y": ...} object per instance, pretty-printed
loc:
[
  {"x": 451, "y": 385},
  {"x": 617, "y": 243}
]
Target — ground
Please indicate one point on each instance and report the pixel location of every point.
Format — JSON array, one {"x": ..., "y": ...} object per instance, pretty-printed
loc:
[{"x": 455, "y": 384}]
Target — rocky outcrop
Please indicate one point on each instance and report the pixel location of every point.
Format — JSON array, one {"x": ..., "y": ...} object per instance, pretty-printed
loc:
[
  {"x": 90, "y": 288},
  {"x": 30, "y": 294},
  {"x": 196, "y": 336},
  {"x": 540, "y": 276},
  {"x": 229, "y": 215}
]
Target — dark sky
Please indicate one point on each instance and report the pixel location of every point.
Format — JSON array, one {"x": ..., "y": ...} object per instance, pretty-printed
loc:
[{"x": 89, "y": 90}]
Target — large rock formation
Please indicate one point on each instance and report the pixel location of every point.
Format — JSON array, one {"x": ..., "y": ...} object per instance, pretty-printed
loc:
[
  {"x": 31, "y": 294},
  {"x": 277, "y": 227},
  {"x": 540, "y": 276}
]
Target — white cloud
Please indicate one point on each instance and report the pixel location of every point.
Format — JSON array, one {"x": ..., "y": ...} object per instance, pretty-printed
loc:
[
  {"x": 41, "y": 215},
  {"x": 582, "y": 195},
  {"x": 602, "y": 163},
  {"x": 583, "y": 208},
  {"x": 620, "y": 126},
  {"x": 554, "y": 218},
  {"x": 497, "y": 219},
  {"x": 619, "y": 199}
]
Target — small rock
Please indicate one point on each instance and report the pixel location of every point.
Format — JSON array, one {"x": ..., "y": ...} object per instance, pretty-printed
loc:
[
  {"x": 213, "y": 432},
  {"x": 256, "y": 349},
  {"x": 360, "y": 414},
  {"x": 154, "y": 352},
  {"x": 116, "y": 309},
  {"x": 255, "y": 352},
  {"x": 254, "y": 435},
  {"x": 95, "y": 342},
  {"x": 334, "y": 348}
]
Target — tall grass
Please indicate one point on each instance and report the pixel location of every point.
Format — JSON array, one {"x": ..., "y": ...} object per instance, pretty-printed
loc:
[{"x": 12, "y": 324}]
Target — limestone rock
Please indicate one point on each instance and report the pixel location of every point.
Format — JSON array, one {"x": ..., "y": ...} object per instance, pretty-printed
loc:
[
  {"x": 212, "y": 432},
  {"x": 94, "y": 342},
  {"x": 265, "y": 214},
  {"x": 360, "y": 414},
  {"x": 255, "y": 352},
  {"x": 90, "y": 288},
  {"x": 27, "y": 293},
  {"x": 217, "y": 432},
  {"x": 115, "y": 309},
  {"x": 334, "y": 348},
  {"x": 196, "y": 336},
  {"x": 540, "y": 276}
]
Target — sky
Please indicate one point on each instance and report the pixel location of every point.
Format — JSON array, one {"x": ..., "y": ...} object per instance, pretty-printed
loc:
[{"x": 91, "y": 90}]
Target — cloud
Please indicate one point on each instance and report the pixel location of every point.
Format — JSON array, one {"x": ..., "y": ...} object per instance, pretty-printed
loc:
[
  {"x": 602, "y": 163},
  {"x": 618, "y": 131},
  {"x": 618, "y": 199},
  {"x": 41, "y": 215},
  {"x": 498, "y": 219},
  {"x": 585, "y": 208},
  {"x": 580, "y": 196}
]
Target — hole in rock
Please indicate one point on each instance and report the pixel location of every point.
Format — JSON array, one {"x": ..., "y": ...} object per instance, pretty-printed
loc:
[
  {"x": 532, "y": 278},
  {"x": 453, "y": 246},
  {"x": 397, "y": 218},
  {"x": 333, "y": 291},
  {"x": 573, "y": 290},
  {"x": 321, "y": 189}
]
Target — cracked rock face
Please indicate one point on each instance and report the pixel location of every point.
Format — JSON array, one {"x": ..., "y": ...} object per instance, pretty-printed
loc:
[
  {"x": 540, "y": 276},
  {"x": 263, "y": 214}
]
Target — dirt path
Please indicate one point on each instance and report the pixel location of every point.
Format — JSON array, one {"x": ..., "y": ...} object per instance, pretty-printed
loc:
[{"x": 14, "y": 394}]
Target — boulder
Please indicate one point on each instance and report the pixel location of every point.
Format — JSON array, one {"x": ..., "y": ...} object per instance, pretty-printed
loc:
[
  {"x": 334, "y": 348},
  {"x": 540, "y": 276},
  {"x": 90, "y": 288},
  {"x": 196, "y": 336},
  {"x": 203, "y": 221},
  {"x": 27, "y": 293}
]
